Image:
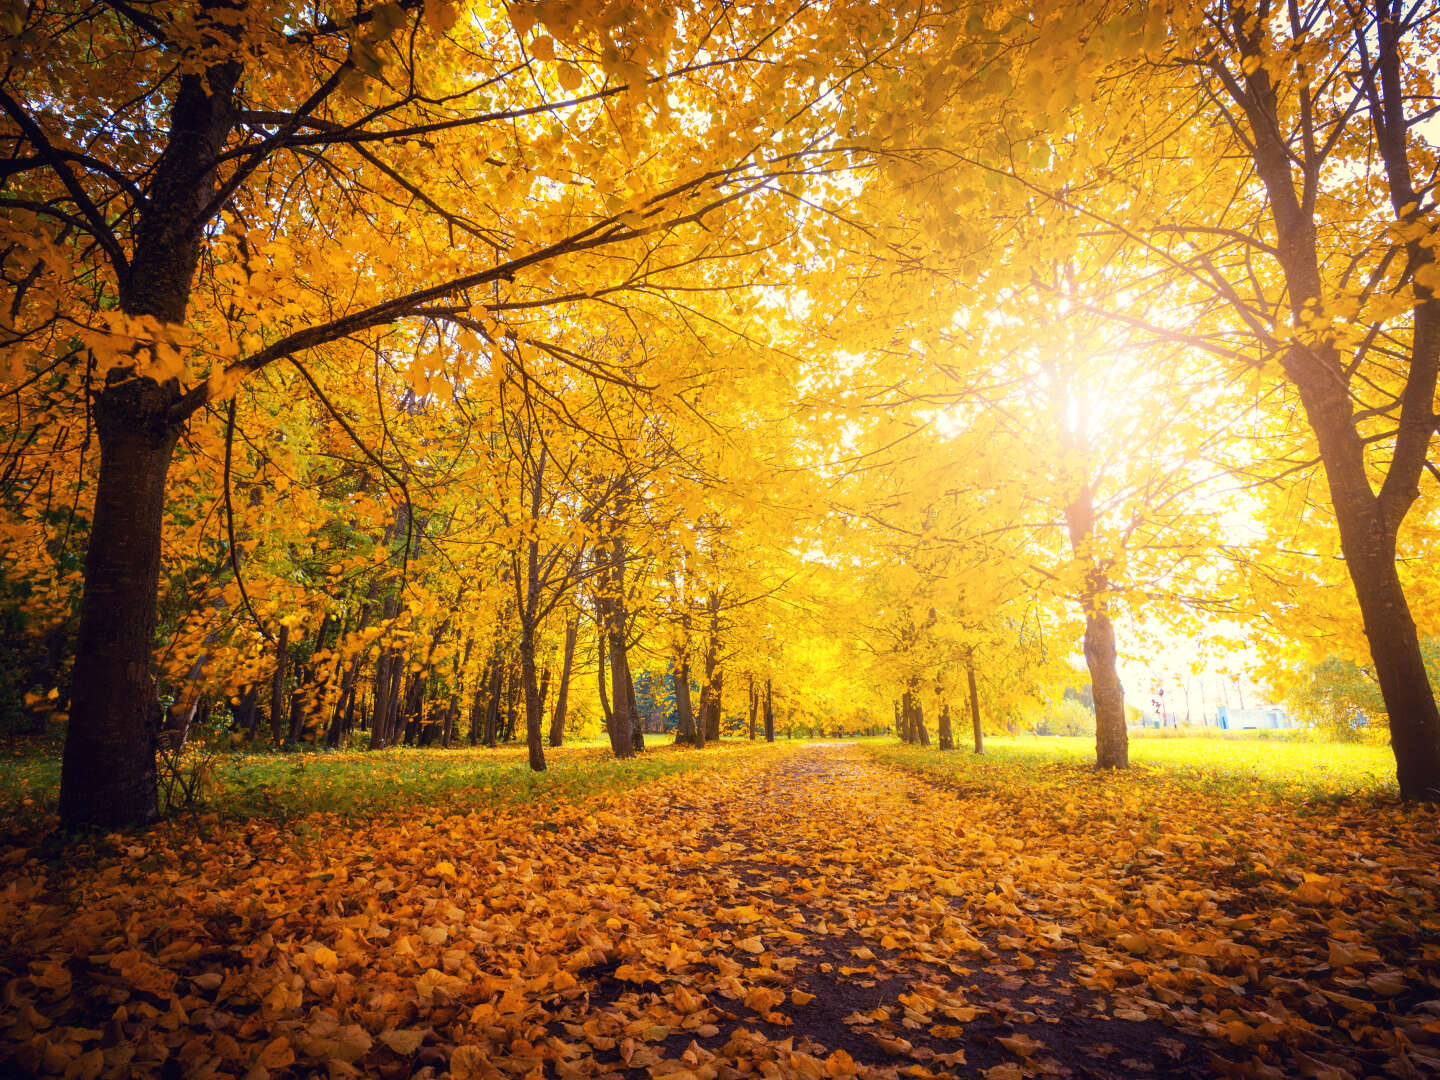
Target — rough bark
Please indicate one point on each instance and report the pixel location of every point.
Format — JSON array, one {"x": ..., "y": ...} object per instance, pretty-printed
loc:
[
  {"x": 1112, "y": 740},
  {"x": 107, "y": 774},
  {"x": 108, "y": 771}
]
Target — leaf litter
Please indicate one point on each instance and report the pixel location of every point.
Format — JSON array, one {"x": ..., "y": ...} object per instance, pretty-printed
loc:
[{"x": 813, "y": 912}]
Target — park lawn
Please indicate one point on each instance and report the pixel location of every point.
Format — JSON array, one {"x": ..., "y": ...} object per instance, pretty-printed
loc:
[
  {"x": 277, "y": 786},
  {"x": 1283, "y": 769}
]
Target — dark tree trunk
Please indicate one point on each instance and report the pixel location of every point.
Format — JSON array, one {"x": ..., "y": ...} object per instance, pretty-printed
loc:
[
  {"x": 493, "y": 706},
  {"x": 711, "y": 705},
  {"x": 562, "y": 693},
  {"x": 637, "y": 726},
  {"x": 975, "y": 707},
  {"x": 946, "y": 736},
  {"x": 478, "y": 701},
  {"x": 603, "y": 670},
  {"x": 621, "y": 727},
  {"x": 297, "y": 713},
  {"x": 913, "y": 719},
  {"x": 277, "y": 686},
  {"x": 769, "y": 713},
  {"x": 107, "y": 776},
  {"x": 514, "y": 696},
  {"x": 1368, "y": 520},
  {"x": 534, "y": 709},
  {"x": 611, "y": 602},
  {"x": 684, "y": 711},
  {"x": 247, "y": 713},
  {"x": 754, "y": 706}
]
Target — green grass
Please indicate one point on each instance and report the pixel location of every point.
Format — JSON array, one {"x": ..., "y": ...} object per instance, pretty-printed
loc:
[
  {"x": 287, "y": 786},
  {"x": 1288, "y": 769}
]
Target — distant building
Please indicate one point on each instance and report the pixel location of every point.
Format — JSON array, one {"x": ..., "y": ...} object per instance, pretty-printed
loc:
[{"x": 1268, "y": 717}]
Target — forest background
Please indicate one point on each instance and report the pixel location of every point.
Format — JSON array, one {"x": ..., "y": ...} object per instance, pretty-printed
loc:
[{"x": 436, "y": 372}]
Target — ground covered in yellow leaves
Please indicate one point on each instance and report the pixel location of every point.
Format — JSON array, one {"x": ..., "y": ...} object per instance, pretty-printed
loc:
[{"x": 816, "y": 911}]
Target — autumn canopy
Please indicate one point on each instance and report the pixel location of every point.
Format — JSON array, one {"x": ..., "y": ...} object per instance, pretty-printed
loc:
[{"x": 374, "y": 372}]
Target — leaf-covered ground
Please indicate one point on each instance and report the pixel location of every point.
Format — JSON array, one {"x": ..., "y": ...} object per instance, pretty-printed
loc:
[{"x": 817, "y": 911}]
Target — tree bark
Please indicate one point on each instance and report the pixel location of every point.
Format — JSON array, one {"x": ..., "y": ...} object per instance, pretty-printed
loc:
[
  {"x": 534, "y": 711},
  {"x": 754, "y": 706},
  {"x": 1368, "y": 521},
  {"x": 107, "y": 776},
  {"x": 769, "y": 713},
  {"x": 1112, "y": 739},
  {"x": 946, "y": 736},
  {"x": 684, "y": 711},
  {"x": 620, "y": 722},
  {"x": 277, "y": 686},
  {"x": 637, "y": 726},
  {"x": 975, "y": 706},
  {"x": 562, "y": 693}
]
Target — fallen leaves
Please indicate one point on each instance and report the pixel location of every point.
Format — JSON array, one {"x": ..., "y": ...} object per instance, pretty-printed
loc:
[{"x": 815, "y": 915}]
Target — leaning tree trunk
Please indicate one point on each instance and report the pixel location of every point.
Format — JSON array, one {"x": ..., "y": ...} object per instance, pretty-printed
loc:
[
  {"x": 1368, "y": 521},
  {"x": 562, "y": 693},
  {"x": 975, "y": 707}
]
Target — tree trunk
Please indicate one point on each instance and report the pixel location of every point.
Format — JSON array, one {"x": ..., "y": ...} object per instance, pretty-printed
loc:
[
  {"x": 684, "y": 712},
  {"x": 711, "y": 705},
  {"x": 562, "y": 693},
  {"x": 245, "y": 712},
  {"x": 1368, "y": 521},
  {"x": 947, "y": 737},
  {"x": 603, "y": 670},
  {"x": 493, "y": 706},
  {"x": 975, "y": 707},
  {"x": 1112, "y": 741},
  {"x": 637, "y": 722},
  {"x": 514, "y": 696},
  {"x": 277, "y": 686},
  {"x": 769, "y": 713},
  {"x": 754, "y": 705},
  {"x": 107, "y": 776},
  {"x": 620, "y": 722},
  {"x": 534, "y": 710}
]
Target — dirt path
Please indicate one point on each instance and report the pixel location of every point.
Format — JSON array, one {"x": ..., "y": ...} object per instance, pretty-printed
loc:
[{"x": 824, "y": 901}]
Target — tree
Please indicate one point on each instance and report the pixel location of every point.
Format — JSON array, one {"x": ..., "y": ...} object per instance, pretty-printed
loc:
[{"x": 191, "y": 252}]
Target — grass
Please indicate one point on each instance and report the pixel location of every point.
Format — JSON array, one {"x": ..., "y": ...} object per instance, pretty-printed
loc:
[
  {"x": 287, "y": 786},
  {"x": 1289, "y": 770}
]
